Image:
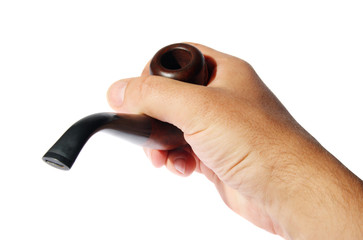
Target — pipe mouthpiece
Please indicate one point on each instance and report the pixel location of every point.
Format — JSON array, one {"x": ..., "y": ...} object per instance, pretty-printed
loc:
[{"x": 57, "y": 161}]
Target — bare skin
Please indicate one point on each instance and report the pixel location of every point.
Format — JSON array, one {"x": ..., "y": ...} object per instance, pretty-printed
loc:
[{"x": 266, "y": 167}]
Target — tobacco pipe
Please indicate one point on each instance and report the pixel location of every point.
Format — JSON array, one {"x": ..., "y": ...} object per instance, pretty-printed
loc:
[{"x": 179, "y": 61}]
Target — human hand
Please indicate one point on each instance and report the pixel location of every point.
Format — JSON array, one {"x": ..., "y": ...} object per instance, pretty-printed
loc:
[{"x": 266, "y": 167}]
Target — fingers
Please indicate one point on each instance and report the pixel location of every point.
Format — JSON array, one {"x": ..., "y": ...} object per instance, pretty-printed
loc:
[
  {"x": 179, "y": 161},
  {"x": 158, "y": 157},
  {"x": 182, "y": 162}
]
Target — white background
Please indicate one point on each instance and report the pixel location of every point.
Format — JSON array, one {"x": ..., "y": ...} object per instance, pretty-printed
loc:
[{"x": 58, "y": 58}]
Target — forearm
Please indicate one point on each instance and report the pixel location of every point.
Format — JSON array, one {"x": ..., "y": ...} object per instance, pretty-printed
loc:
[{"x": 320, "y": 199}]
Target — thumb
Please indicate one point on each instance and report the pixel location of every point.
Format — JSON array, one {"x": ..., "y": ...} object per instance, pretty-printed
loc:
[{"x": 168, "y": 100}]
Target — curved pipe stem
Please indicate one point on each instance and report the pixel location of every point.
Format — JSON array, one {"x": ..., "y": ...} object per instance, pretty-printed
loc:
[{"x": 138, "y": 129}]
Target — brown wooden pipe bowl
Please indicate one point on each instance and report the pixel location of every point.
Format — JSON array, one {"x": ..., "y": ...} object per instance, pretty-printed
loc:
[{"x": 181, "y": 62}]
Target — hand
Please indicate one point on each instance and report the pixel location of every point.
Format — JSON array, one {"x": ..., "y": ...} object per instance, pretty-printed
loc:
[{"x": 266, "y": 167}]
